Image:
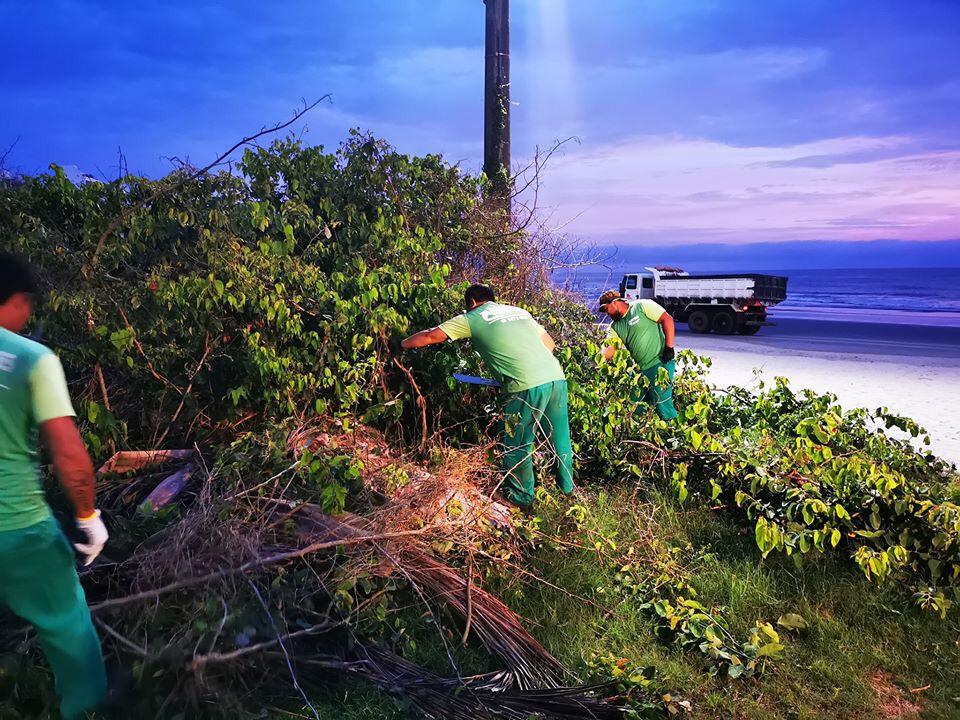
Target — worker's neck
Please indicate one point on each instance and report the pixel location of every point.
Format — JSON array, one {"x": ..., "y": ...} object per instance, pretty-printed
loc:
[{"x": 10, "y": 321}]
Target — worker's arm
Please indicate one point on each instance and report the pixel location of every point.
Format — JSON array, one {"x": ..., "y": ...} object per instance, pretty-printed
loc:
[
  {"x": 613, "y": 340},
  {"x": 424, "y": 338},
  {"x": 666, "y": 322},
  {"x": 456, "y": 328},
  {"x": 657, "y": 313},
  {"x": 547, "y": 340},
  {"x": 71, "y": 463}
]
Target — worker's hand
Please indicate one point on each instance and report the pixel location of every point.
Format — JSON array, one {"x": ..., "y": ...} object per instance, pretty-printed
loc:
[
  {"x": 667, "y": 355},
  {"x": 96, "y": 533}
]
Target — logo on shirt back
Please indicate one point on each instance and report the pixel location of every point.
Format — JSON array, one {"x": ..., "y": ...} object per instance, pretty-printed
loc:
[
  {"x": 503, "y": 314},
  {"x": 7, "y": 361}
]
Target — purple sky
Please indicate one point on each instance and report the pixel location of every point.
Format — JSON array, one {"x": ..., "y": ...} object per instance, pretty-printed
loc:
[{"x": 698, "y": 120}]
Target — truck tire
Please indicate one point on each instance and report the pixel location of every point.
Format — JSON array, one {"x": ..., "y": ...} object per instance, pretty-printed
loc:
[
  {"x": 749, "y": 329},
  {"x": 699, "y": 322},
  {"x": 724, "y": 323}
]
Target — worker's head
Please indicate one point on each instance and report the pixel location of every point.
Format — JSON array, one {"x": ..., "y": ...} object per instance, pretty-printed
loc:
[
  {"x": 17, "y": 292},
  {"x": 477, "y": 295},
  {"x": 613, "y": 305}
]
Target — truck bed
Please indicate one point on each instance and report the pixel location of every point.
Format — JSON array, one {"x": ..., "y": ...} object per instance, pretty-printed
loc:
[{"x": 768, "y": 289}]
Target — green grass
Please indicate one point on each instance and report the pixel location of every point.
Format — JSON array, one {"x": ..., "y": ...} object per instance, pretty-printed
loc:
[
  {"x": 855, "y": 629},
  {"x": 347, "y": 701}
]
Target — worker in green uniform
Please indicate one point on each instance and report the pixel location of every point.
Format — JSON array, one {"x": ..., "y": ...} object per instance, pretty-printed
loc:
[
  {"x": 38, "y": 577},
  {"x": 519, "y": 352},
  {"x": 646, "y": 329}
]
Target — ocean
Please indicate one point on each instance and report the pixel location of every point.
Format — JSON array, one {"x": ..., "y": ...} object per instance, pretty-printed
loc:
[{"x": 924, "y": 296}]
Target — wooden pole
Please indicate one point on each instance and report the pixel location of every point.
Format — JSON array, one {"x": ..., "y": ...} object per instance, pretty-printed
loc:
[{"x": 496, "y": 131}]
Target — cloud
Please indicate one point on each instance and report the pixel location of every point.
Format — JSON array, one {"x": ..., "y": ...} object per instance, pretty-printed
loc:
[
  {"x": 739, "y": 65},
  {"x": 674, "y": 188},
  {"x": 725, "y": 119},
  {"x": 424, "y": 69}
]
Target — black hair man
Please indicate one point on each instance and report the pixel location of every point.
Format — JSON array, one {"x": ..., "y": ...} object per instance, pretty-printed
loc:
[
  {"x": 519, "y": 352},
  {"x": 38, "y": 577},
  {"x": 646, "y": 329}
]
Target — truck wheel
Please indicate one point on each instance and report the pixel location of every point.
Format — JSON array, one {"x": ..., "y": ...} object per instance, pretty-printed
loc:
[
  {"x": 749, "y": 330},
  {"x": 699, "y": 322},
  {"x": 724, "y": 323}
]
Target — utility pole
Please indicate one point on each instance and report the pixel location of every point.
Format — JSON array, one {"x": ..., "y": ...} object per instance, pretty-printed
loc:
[{"x": 496, "y": 129}]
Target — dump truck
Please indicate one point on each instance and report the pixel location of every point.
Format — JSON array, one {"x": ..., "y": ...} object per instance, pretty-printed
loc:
[{"x": 724, "y": 304}]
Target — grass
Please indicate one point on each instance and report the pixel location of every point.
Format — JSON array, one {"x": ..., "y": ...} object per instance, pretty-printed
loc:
[
  {"x": 856, "y": 630},
  {"x": 859, "y": 635},
  {"x": 347, "y": 701}
]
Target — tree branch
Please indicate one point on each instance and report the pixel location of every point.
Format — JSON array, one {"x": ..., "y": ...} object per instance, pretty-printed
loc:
[
  {"x": 200, "y": 660},
  {"x": 253, "y": 564}
]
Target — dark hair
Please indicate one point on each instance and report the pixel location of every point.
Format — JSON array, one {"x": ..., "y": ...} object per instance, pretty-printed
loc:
[
  {"x": 479, "y": 294},
  {"x": 15, "y": 277}
]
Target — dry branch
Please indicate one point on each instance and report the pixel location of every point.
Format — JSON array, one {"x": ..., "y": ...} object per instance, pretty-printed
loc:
[
  {"x": 421, "y": 402},
  {"x": 200, "y": 661},
  {"x": 485, "y": 696},
  {"x": 246, "y": 567},
  {"x": 498, "y": 628}
]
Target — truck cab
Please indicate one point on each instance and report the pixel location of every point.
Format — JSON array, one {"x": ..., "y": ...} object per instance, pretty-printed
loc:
[
  {"x": 636, "y": 286},
  {"x": 643, "y": 285}
]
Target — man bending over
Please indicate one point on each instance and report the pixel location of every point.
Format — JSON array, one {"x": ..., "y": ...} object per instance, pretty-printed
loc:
[
  {"x": 519, "y": 353},
  {"x": 646, "y": 329}
]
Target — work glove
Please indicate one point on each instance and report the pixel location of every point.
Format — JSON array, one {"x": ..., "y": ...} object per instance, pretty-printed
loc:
[
  {"x": 96, "y": 534},
  {"x": 667, "y": 355}
]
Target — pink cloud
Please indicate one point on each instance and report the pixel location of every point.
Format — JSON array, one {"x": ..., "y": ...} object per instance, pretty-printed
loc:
[{"x": 670, "y": 188}]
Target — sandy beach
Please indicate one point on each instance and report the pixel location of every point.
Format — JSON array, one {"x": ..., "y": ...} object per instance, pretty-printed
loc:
[{"x": 911, "y": 369}]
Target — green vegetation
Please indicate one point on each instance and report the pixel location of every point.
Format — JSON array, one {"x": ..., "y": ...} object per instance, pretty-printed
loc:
[{"x": 770, "y": 556}]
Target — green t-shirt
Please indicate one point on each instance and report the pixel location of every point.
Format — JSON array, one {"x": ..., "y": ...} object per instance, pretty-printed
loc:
[
  {"x": 509, "y": 341},
  {"x": 33, "y": 390},
  {"x": 641, "y": 333}
]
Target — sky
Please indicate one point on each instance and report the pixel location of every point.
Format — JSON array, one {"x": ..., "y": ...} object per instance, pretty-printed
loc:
[{"x": 693, "y": 121}]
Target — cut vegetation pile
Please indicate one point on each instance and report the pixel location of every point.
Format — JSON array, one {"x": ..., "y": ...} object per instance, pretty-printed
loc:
[{"x": 303, "y": 518}]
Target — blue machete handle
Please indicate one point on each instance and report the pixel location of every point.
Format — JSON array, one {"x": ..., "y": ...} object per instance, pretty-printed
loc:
[{"x": 474, "y": 380}]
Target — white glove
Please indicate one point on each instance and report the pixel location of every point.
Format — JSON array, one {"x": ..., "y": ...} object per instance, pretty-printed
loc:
[{"x": 97, "y": 535}]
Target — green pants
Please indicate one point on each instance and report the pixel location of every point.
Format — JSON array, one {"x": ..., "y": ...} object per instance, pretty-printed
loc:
[
  {"x": 660, "y": 396},
  {"x": 39, "y": 583},
  {"x": 542, "y": 408}
]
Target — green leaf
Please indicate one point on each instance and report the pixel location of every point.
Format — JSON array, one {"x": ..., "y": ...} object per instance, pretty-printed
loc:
[
  {"x": 792, "y": 621},
  {"x": 770, "y": 650}
]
